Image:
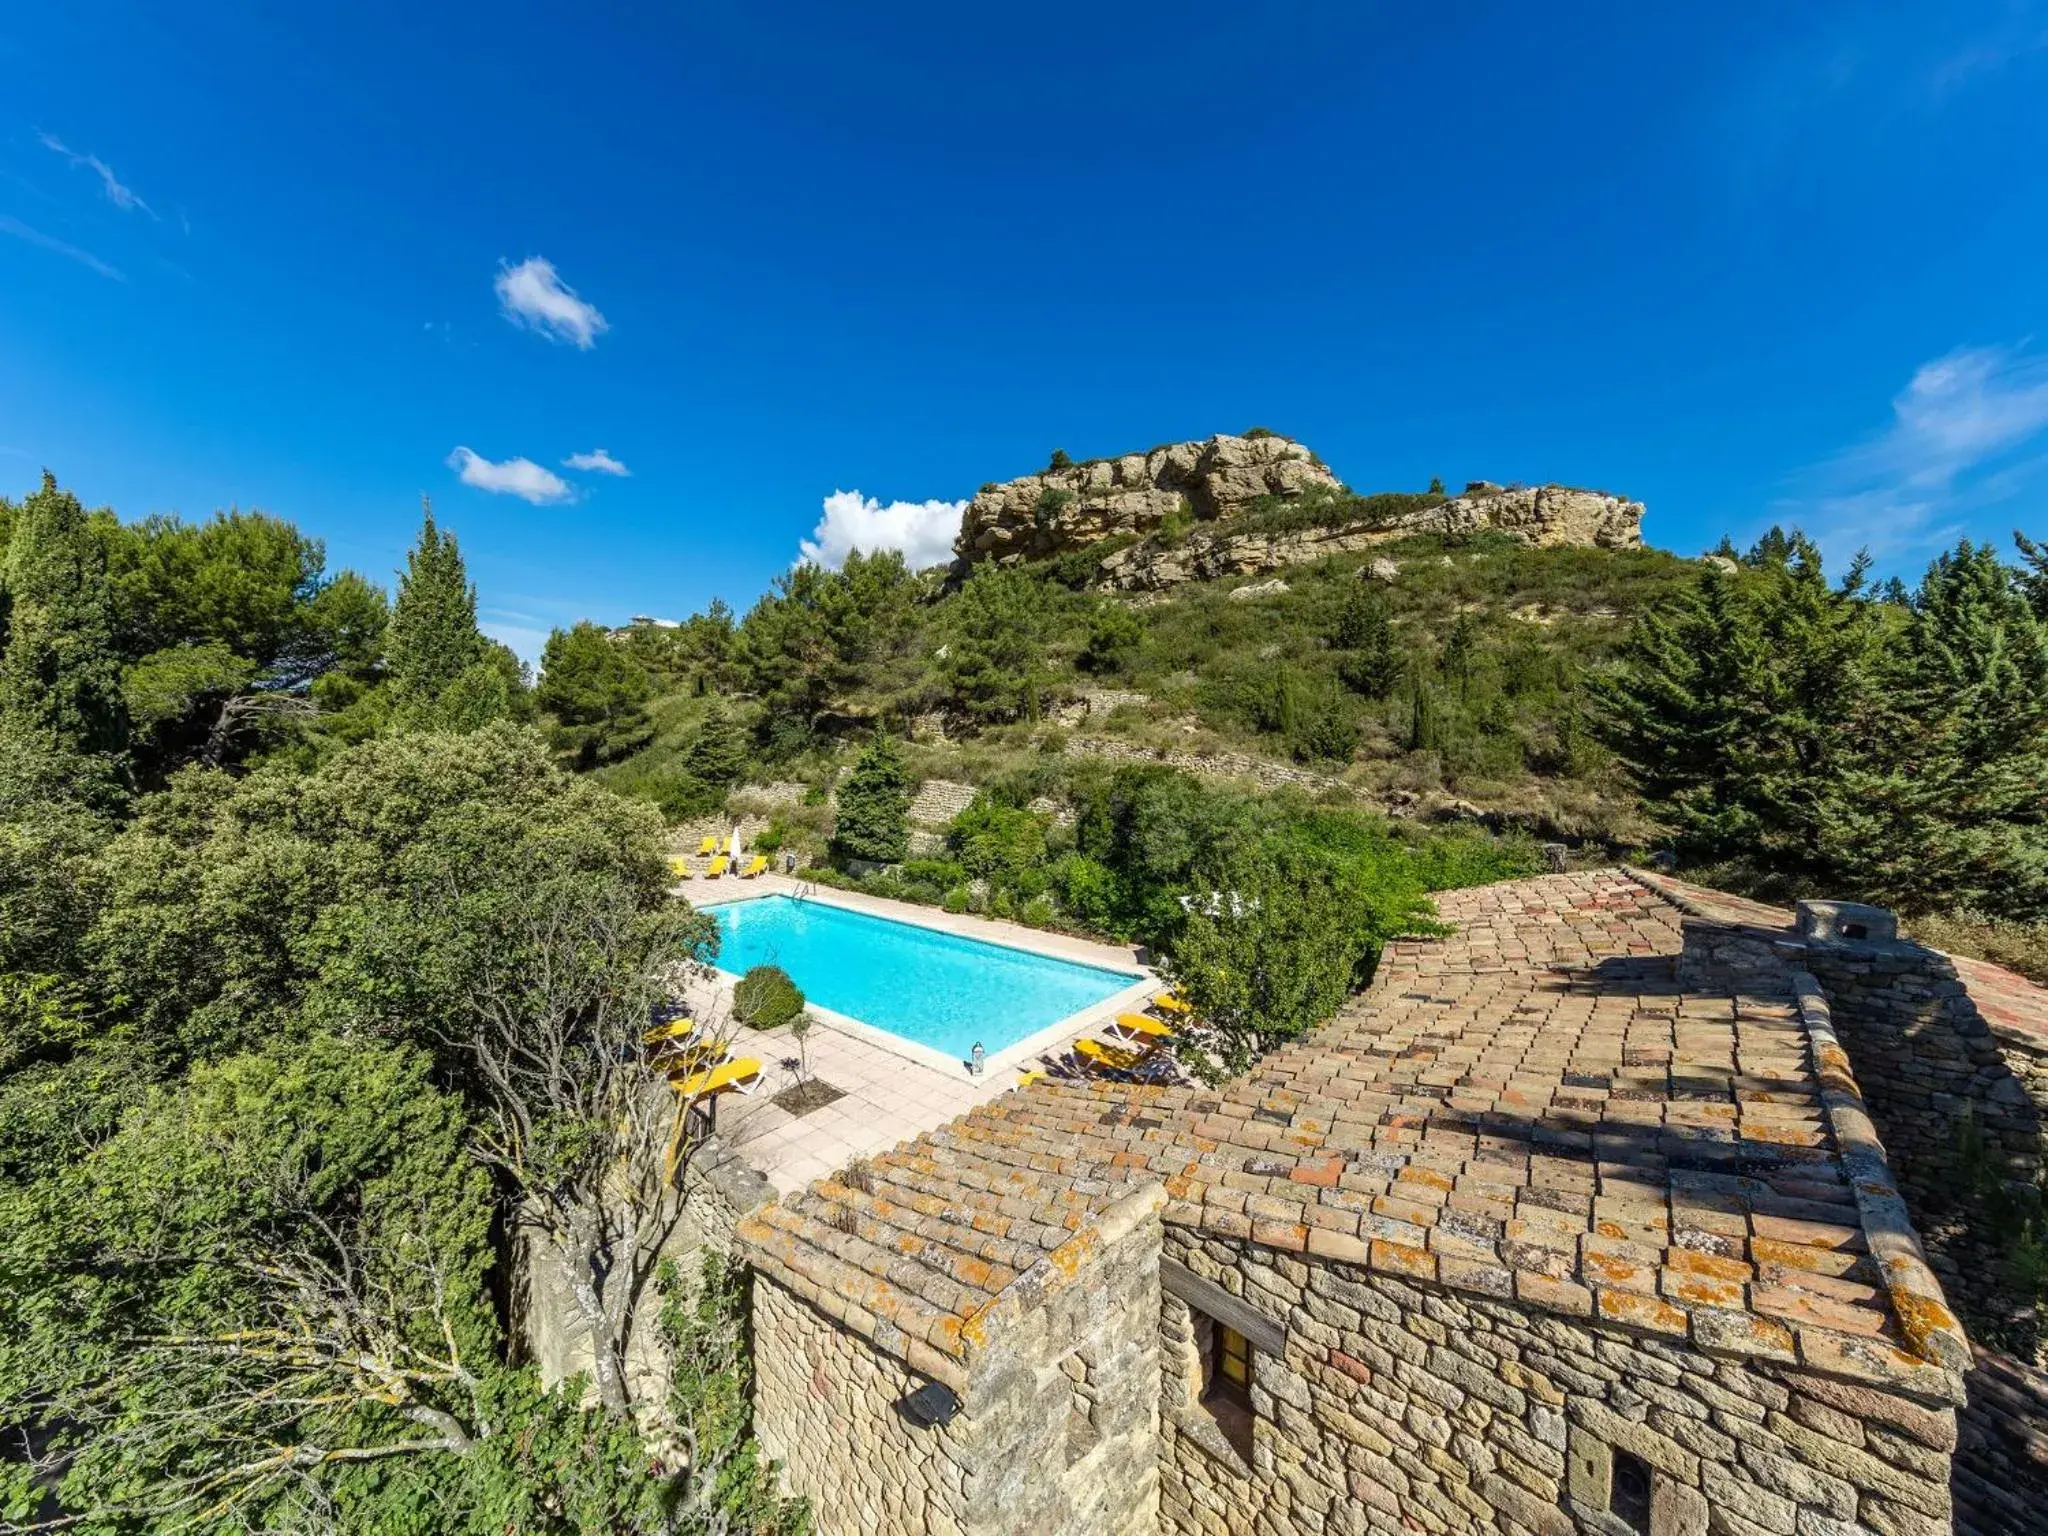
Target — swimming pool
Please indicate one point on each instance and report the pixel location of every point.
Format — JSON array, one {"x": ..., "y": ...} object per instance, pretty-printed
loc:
[{"x": 935, "y": 989}]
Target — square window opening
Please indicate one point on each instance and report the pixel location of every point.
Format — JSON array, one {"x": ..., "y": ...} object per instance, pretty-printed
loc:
[
  {"x": 1227, "y": 1382},
  {"x": 1629, "y": 1498}
]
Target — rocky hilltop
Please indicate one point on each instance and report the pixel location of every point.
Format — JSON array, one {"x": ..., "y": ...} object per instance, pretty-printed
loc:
[
  {"x": 1071, "y": 507},
  {"x": 1209, "y": 484},
  {"x": 1542, "y": 515}
]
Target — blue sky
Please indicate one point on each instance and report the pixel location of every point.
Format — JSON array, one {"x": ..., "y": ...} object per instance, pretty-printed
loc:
[{"x": 1756, "y": 263}]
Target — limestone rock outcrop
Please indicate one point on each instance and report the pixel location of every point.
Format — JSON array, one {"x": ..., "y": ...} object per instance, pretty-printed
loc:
[
  {"x": 1062, "y": 509},
  {"x": 1543, "y": 515}
]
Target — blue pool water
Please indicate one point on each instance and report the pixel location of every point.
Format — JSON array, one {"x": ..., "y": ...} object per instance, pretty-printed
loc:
[{"x": 938, "y": 989}]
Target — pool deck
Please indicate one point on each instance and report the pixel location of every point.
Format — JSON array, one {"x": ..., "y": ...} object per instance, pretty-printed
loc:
[{"x": 894, "y": 1089}]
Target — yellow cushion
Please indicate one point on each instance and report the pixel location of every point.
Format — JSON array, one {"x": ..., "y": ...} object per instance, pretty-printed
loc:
[
  {"x": 1113, "y": 1057},
  {"x": 728, "y": 1075},
  {"x": 1144, "y": 1024}
]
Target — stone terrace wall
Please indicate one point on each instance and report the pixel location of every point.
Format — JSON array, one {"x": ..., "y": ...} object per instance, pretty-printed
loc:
[
  {"x": 1401, "y": 1407},
  {"x": 1057, "y": 1434}
]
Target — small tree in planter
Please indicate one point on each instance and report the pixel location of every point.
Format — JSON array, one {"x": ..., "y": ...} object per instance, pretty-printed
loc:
[
  {"x": 874, "y": 806},
  {"x": 766, "y": 998}
]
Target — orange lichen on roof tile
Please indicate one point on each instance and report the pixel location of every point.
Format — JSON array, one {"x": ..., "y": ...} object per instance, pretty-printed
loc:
[{"x": 1534, "y": 1106}]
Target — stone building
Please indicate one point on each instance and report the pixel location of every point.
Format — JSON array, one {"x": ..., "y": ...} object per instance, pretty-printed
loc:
[{"x": 1574, "y": 1221}]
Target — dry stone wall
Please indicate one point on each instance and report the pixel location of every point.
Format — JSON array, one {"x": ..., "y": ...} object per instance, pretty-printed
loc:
[
  {"x": 1401, "y": 1407},
  {"x": 1225, "y": 765},
  {"x": 938, "y": 801}
]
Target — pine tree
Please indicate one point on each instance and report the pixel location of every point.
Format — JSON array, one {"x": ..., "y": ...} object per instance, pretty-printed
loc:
[
  {"x": 1371, "y": 666},
  {"x": 442, "y": 676},
  {"x": 2033, "y": 574},
  {"x": 874, "y": 806},
  {"x": 995, "y": 653},
  {"x": 596, "y": 690},
  {"x": 1947, "y": 806},
  {"x": 718, "y": 753},
  {"x": 1735, "y": 709},
  {"x": 60, "y": 677}
]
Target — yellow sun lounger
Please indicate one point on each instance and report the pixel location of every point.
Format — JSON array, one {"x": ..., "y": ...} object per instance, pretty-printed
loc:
[
  {"x": 1027, "y": 1076},
  {"x": 708, "y": 847},
  {"x": 679, "y": 867},
  {"x": 1108, "y": 1058},
  {"x": 755, "y": 867},
  {"x": 742, "y": 1076},
  {"x": 1141, "y": 1029},
  {"x": 718, "y": 867},
  {"x": 1170, "y": 1002},
  {"x": 673, "y": 1032}
]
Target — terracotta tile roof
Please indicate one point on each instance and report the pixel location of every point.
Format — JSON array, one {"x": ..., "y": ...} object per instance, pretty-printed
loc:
[
  {"x": 1532, "y": 1109},
  {"x": 2007, "y": 1002}
]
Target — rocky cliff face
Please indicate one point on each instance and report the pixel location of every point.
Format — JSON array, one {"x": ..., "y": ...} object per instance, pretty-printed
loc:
[
  {"x": 1545, "y": 515},
  {"x": 1063, "y": 509},
  {"x": 1049, "y": 514}
]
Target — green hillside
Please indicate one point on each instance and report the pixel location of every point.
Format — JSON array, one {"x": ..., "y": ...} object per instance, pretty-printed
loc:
[
  {"x": 1457, "y": 680},
  {"x": 1777, "y": 730}
]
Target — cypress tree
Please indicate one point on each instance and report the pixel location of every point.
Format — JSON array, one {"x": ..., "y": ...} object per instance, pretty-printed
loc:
[
  {"x": 440, "y": 668},
  {"x": 874, "y": 806},
  {"x": 1425, "y": 733},
  {"x": 60, "y": 677}
]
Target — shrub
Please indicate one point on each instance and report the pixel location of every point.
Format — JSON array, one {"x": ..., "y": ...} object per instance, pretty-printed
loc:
[
  {"x": 1002, "y": 844},
  {"x": 1076, "y": 568},
  {"x": 766, "y": 998},
  {"x": 1037, "y": 913},
  {"x": 1052, "y": 501},
  {"x": 943, "y": 873},
  {"x": 1088, "y": 891},
  {"x": 1258, "y": 432},
  {"x": 1175, "y": 525},
  {"x": 1114, "y": 635},
  {"x": 1060, "y": 460},
  {"x": 956, "y": 900}
]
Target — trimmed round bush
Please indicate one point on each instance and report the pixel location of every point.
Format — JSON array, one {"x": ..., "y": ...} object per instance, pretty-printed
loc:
[{"x": 766, "y": 998}]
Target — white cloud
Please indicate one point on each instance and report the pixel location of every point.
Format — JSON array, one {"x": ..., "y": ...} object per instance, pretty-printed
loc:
[
  {"x": 120, "y": 196},
  {"x": 923, "y": 530},
  {"x": 596, "y": 461},
  {"x": 1959, "y": 440},
  {"x": 533, "y": 295},
  {"x": 511, "y": 477},
  {"x": 13, "y": 226}
]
